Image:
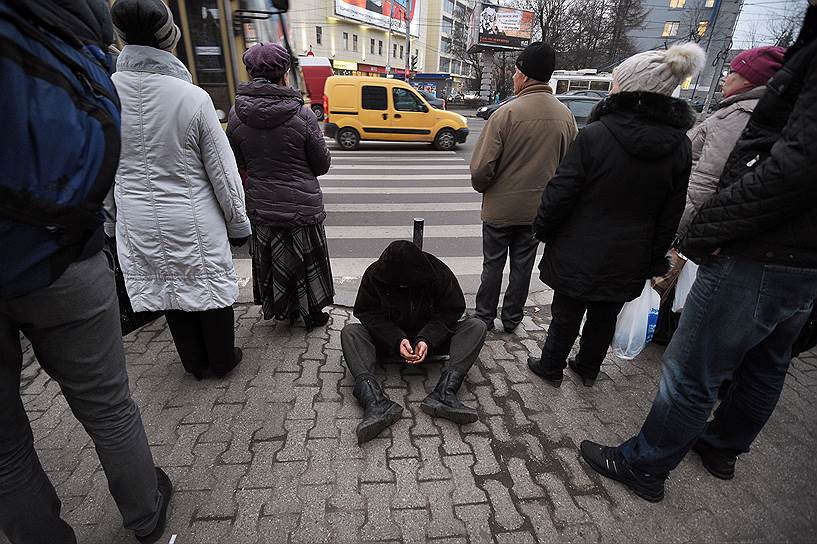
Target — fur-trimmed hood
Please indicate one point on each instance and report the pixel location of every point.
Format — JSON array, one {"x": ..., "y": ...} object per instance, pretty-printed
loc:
[{"x": 646, "y": 124}]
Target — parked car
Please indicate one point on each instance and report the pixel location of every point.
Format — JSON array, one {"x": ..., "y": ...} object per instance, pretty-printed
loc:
[
  {"x": 432, "y": 99},
  {"x": 365, "y": 108},
  {"x": 579, "y": 105}
]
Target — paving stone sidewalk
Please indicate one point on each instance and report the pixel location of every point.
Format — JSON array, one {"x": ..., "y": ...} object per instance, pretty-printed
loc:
[{"x": 269, "y": 455}]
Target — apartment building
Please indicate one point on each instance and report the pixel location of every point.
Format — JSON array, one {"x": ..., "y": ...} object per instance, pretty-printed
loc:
[
  {"x": 709, "y": 22},
  {"x": 446, "y": 32},
  {"x": 355, "y": 35}
]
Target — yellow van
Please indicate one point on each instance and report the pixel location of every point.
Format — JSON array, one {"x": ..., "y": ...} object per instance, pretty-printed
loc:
[{"x": 370, "y": 108}]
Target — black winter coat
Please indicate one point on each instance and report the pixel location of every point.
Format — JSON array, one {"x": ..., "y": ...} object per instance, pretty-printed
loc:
[
  {"x": 408, "y": 293},
  {"x": 766, "y": 205},
  {"x": 277, "y": 140},
  {"x": 609, "y": 215}
]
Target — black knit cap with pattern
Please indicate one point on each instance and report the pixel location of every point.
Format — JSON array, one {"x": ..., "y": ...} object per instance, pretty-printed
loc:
[
  {"x": 537, "y": 61},
  {"x": 145, "y": 22}
]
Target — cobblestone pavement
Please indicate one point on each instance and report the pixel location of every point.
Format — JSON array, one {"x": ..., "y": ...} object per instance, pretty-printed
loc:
[{"x": 269, "y": 455}]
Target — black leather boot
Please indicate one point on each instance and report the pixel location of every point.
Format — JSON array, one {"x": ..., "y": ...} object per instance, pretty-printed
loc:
[
  {"x": 379, "y": 413},
  {"x": 443, "y": 401}
]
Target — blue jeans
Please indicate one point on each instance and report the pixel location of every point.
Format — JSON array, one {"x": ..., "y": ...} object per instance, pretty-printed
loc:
[
  {"x": 73, "y": 326},
  {"x": 739, "y": 322}
]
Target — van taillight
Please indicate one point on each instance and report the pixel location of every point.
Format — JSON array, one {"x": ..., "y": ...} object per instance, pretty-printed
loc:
[{"x": 326, "y": 107}]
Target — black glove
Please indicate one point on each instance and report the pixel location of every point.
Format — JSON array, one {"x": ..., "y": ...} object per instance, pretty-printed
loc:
[{"x": 238, "y": 242}]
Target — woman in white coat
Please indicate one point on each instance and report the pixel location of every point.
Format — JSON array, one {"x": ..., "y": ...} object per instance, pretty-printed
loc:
[{"x": 179, "y": 199}]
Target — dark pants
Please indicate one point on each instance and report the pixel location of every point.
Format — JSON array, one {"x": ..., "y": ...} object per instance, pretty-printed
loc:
[
  {"x": 564, "y": 329},
  {"x": 741, "y": 318},
  {"x": 204, "y": 339},
  {"x": 73, "y": 326},
  {"x": 497, "y": 243},
  {"x": 362, "y": 352}
]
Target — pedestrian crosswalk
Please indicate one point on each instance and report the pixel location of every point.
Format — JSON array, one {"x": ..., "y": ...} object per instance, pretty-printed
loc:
[{"x": 372, "y": 197}]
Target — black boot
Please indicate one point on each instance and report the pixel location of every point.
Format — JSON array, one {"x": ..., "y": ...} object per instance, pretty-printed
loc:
[
  {"x": 573, "y": 364},
  {"x": 554, "y": 379},
  {"x": 443, "y": 401},
  {"x": 719, "y": 463},
  {"x": 379, "y": 413}
]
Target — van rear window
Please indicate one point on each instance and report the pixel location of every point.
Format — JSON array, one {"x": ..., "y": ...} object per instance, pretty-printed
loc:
[{"x": 375, "y": 97}]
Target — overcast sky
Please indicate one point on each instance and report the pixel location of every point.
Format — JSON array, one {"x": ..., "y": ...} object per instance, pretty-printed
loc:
[{"x": 761, "y": 18}]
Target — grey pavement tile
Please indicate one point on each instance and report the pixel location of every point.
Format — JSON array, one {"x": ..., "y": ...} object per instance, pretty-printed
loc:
[
  {"x": 407, "y": 494},
  {"x": 518, "y": 537},
  {"x": 345, "y": 526},
  {"x": 476, "y": 521},
  {"x": 432, "y": 467},
  {"x": 443, "y": 523},
  {"x": 379, "y": 524},
  {"x": 313, "y": 527},
  {"x": 523, "y": 484},
  {"x": 505, "y": 513},
  {"x": 401, "y": 443},
  {"x": 412, "y": 525},
  {"x": 465, "y": 486},
  {"x": 484, "y": 453}
]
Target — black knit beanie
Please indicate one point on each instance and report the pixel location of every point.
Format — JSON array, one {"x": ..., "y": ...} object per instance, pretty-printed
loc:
[
  {"x": 537, "y": 61},
  {"x": 145, "y": 22}
]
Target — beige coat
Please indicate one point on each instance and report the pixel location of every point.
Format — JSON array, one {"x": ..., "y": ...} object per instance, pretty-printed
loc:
[
  {"x": 712, "y": 142},
  {"x": 517, "y": 154}
]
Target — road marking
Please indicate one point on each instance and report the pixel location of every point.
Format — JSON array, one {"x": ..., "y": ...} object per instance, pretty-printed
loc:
[
  {"x": 392, "y": 153},
  {"x": 407, "y": 207},
  {"x": 460, "y": 167},
  {"x": 397, "y": 177},
  {"x": 382, "y": 160},
  {"x": 402, "y": 231},
  {"x": 393, "y": 190}
]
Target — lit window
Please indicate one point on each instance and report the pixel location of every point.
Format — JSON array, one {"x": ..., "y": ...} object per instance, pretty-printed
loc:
[
  {"x": 710, "y": 3},
  {"x": 686, "y": 84},
  {"x": 677, "y": 4},
  {"x": 702, "y": 26},
  {"x": 670, "y": 29}
]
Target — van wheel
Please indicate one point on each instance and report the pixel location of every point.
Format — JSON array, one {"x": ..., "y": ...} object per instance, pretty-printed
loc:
[
  {"x": 348, "y": 139},
  {"x": 317, "y": 109},
  {"x": 446, "y": 140}
]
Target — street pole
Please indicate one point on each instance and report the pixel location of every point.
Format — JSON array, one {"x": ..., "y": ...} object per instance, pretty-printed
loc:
[
  {"x": 408, "y": 39},
  {"x": 388, "y": 41},
  {"x": 716, "y": 76}
]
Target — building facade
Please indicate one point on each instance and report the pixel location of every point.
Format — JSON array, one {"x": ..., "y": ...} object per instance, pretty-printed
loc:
[
  {"x": 447, "y": 32},
  {"x": 709, "y": 22}
]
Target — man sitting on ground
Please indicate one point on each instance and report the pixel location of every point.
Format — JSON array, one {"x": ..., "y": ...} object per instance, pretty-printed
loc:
[{"x": 409, "y": 304}]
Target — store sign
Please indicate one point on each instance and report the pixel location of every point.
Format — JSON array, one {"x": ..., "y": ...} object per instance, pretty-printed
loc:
[{"x": 344, "y": 65}]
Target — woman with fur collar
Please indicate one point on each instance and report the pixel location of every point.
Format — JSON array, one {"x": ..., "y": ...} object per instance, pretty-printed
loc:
[{"x": 610, "y": 213}]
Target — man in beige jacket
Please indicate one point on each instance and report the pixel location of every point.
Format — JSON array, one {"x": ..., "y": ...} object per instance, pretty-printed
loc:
[{"x": 515, "y": 157}]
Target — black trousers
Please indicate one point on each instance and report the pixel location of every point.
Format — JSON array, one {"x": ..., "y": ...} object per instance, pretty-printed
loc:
[
  {"x": 204, "y": 339},
  {"x": 498, "y": 242},
  {"x": 362, "y": 353},
  {"x": 564, "y": 328}
]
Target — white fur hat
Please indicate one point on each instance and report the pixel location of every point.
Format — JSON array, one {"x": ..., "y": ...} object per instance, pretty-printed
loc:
[{"x": 660, "y": 71}]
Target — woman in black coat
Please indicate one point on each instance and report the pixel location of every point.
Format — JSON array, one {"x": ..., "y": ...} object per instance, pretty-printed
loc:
[{"x": 610, "y": 213}]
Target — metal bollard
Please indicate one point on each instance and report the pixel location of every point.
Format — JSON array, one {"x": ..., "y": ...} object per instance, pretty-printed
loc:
[{"x": 419, "y": 223}]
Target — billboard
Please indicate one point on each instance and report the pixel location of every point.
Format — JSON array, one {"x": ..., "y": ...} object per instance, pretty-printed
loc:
[
  {"x": 502, "y": 28},
  {"x": 379, "y": 13}
]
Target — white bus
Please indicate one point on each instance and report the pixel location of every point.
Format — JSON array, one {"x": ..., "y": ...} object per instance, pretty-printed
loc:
[{"x": 567, "y": 81}]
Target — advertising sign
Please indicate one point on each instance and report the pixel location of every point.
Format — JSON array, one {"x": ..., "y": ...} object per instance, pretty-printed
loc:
[
  {"x": 504, "y": 28},
  {"x": 380, "y": 13}
]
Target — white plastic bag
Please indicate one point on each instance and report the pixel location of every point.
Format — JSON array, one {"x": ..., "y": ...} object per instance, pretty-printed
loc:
[
  {"x": 685, "y": 280},
  {"x": 636, "y": 323}
]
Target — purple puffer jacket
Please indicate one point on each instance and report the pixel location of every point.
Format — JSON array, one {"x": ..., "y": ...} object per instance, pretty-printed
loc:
[{"x": 277, "y": 140}]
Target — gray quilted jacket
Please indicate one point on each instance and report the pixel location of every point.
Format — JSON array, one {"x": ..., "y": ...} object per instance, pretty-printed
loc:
[
  {"x": 712, "y": 142},
  {"x": 277, "y": 140}
]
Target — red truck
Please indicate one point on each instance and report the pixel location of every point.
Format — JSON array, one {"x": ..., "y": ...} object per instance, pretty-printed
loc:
[{"x": 315, "y": 71}]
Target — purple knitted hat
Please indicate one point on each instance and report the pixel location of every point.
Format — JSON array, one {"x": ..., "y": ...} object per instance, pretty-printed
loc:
[
  {"x": 758, "y": 65},
  {"x": 267, "y": 60}
]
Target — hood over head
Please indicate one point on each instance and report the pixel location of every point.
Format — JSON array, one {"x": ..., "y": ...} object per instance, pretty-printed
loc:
[
  {"x": 403, "y": 264},
  {"x": 265, "y": 105},
  {"x": 88, "y": 21},
  {"x": 647, "y": 125}
]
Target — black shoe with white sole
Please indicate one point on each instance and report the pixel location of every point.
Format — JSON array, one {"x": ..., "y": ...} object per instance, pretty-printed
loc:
[{"x": 610, "y": 463}]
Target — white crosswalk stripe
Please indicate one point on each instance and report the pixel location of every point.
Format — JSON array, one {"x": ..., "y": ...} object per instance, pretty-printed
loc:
[{"x": 371, "y": 197}]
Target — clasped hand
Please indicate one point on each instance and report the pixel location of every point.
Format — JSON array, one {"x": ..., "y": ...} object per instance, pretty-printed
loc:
[{"x": 415, "y": 355}]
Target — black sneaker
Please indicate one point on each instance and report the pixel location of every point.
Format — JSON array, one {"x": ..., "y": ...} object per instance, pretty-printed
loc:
[
  {"x": 610, "y": 463},
  {"x": 552, "y": 379},
  {"x": 509, "y": 327},
  {"x": 717, "y": 462},
  {"x": 165, "y": 490},
  {"x": 587, "y": 382}
]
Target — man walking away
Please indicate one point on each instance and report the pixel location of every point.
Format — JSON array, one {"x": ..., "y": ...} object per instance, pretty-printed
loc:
[
  {"x": 756, "y": 243},
  {"x": 59, "y": 151},
  {"x": 516, "y": 155},
  {"x": 409, "y": 305}
]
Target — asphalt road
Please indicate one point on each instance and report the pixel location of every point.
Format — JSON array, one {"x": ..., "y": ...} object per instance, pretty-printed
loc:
[{"x": 372, "y": 196}]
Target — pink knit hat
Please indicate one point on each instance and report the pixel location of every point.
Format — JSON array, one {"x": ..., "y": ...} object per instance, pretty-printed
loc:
[{"x": 758, "y": 65}]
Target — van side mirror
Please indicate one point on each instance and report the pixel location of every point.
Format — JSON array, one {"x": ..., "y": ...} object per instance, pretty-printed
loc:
[{"x": 424, "y": 108}]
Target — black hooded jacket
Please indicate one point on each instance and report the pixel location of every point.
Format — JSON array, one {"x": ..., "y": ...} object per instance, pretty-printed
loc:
[
  {"x": 277, "y": 140},
  {"x": 408, "y": 293},
  {"x": 766, "y": 205},
  {"x": 609, "y": 215}
]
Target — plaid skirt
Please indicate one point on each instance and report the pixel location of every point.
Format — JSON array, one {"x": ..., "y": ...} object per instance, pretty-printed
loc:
[{"x": 291, "y": 274}]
